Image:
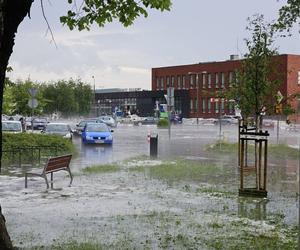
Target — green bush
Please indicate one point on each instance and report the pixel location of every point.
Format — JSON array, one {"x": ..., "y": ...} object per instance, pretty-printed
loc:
[
  {"x": 49, "y": 144},
  {"x": 163, "y": 123}
]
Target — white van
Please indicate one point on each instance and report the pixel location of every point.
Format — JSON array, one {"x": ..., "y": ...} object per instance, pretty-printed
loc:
[{"x": 12, "y": 126}]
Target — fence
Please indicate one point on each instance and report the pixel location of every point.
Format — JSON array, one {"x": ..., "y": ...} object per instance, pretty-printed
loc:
[{"x": 33, "y": 155}]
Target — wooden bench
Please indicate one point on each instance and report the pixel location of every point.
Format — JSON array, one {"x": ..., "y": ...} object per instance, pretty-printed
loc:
[{"x": 53, "y": 164}]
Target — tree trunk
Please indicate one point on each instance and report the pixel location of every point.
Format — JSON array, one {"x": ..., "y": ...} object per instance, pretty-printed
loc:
[{"x": 12, "y": 13}]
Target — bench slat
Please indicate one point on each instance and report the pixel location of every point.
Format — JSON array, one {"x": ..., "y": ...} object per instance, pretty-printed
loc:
[{"x": 57, "y": 163}]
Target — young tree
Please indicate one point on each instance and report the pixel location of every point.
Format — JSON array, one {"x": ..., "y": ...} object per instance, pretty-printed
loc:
[
  {"x": 12, "y": 13},
  {"x": 254, "y": 91}
]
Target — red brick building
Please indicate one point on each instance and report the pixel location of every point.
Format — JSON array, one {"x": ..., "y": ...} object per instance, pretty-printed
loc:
[{"x": 202, "y": 80}]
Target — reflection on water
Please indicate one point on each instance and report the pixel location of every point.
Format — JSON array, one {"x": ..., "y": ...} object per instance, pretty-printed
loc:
[
  {"x": 96, "y": 154},
  {"x": 255, "y": 209}
]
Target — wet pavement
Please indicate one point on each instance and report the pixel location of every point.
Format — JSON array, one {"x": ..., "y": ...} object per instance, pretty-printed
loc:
[{"x": 112, "y": 203}]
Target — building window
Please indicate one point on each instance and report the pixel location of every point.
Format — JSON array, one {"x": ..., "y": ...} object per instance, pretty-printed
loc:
[
  {"x": 217, "y": 80},
  {"x": 191, "y": 81},
  {"x": 299, "y": 77},
  {"x": 168, "y": 81},
  {"x": 172, "y": 81},
  {"x": 195, "y": 105},
  {"x": 161, "y": 83},
  {"x": 209, "y": 106},
  {"x": 179, "y": 82},
  {"x": 222, "y": 80},
  {"x": 231, "y": 78},
  {"x": 191, "y": 105},
  {"x": 203, "y": 80},
  {"x": 183, "y": 82},
  {"x": 157, "y": 83},
  {"x": 217, "y": 106},
  {"x": 209, "y": 80},
  {"x": 203, "y": 105}
]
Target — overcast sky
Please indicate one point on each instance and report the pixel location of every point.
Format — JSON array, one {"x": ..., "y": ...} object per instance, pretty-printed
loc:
[{"x": 193, "y": 31}]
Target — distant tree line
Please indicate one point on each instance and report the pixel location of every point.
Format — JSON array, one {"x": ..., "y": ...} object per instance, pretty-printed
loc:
[{"x": 71, "y": 97}]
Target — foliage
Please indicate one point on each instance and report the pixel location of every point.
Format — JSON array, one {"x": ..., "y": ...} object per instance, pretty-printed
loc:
[
  {"x": 277, "y": 151},
  {"x": 288, "y": 15},
  {"x": 163, "y": 123},
  {"x": 16, "y": 97},
  {"x": 253, "y": 90},
  {"x": 180, "y": 170},
  {"x": 101, "y": 169},
  {"x": 102, "y": 12},
  {"x": 68, "y": 97},
  {"x": 57, "y": 144}
]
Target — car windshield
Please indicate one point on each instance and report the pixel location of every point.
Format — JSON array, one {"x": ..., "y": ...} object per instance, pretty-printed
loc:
[
  {"x": 40, "y": 120},
  {"x": 11, "y": 126},
  {"x": 97, "y": 128},
  {"x": 57, "y": 127},
  {"x": 82, "y": 123}
]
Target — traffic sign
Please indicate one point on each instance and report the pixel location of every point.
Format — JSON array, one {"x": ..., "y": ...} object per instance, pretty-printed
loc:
[
  {"x": 279, "y": 97},
  {"x": 32, "y": 103},
  {"x": 278, "y": 109},
  {"x": 33, "y": 92},
  {"x": 170, "y": 96}
]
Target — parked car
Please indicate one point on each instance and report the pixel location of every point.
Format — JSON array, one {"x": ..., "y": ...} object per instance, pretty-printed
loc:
[
  {"x": 62, "y": 129},
  {"x": 39, "y": 123},
  {"x": 268, "y": 123},
  {"x": 80, "y": 126},
  {"x": 4, "y": 117},
  {"x": 108, "y": 120},
  {"x": 28, "y": 122},
  {"x": 146, "y": 121},
  {"x": 176, "y": 119},
  {"x": 133, "y": 118},
  {"x": 97, "y": 133},
  {"x": 12, "y": 126},
  {"x": 227, "y": 120}
]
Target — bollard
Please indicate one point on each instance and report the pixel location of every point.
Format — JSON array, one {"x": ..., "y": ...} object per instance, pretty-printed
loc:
[{"x": 153, "y": 145}]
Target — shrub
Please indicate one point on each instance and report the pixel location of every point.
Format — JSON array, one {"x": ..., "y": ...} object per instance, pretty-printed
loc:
[
  {"x": 163, "y": 123},
  {"x": 49, "y": 145}
]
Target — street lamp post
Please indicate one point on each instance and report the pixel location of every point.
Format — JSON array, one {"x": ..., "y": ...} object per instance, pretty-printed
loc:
[{"x": 94, "y": 94}]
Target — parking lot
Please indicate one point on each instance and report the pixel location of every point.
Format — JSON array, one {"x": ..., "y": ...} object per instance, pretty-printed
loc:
[{"x": 119, "y": 208}]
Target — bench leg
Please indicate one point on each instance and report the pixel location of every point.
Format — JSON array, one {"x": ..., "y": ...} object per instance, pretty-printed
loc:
[
  {"x": 51, "y": 180},
  {"x": 25, "y": 180},
  {"x": 46, "y": 180},
  {"x": 71, "y": 176}
]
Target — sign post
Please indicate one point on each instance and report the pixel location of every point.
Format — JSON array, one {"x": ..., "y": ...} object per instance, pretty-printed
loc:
[
  {"x": 278, "y": 111},
  {"x": 32, "y": 103},
  {"x": 170, "y": 104}
]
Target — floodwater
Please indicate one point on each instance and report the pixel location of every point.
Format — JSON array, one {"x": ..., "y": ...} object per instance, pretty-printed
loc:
[{"x": 128, "y": 206}]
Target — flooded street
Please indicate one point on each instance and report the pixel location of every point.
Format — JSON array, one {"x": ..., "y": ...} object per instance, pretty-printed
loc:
[{"x": 133, "y": 202}]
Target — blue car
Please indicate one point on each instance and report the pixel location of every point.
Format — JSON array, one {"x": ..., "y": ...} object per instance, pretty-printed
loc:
[{"x": 97, "y": 133}]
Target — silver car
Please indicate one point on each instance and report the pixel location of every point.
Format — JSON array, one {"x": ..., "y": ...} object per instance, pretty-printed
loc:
[
  {"x": 12, "y": 126},
  {"x": 62, "y": 129},
  {"x": 108, "y": 120}
]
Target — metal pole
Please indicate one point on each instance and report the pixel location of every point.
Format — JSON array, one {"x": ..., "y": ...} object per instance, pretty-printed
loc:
[
  {"x": 220, "y": 128},
  {"x": 299, "y": 189},
  {"x": 169, "y": 118},
  {"x": 197, "y": 89},
  {"x": 94, "y": 95},
  {"x": 277, "y": 129}
]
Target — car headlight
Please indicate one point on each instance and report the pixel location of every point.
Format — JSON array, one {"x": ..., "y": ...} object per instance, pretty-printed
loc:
[
  {"x": 88, "y": 137},
  {"x": 109, "y": 137}
]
